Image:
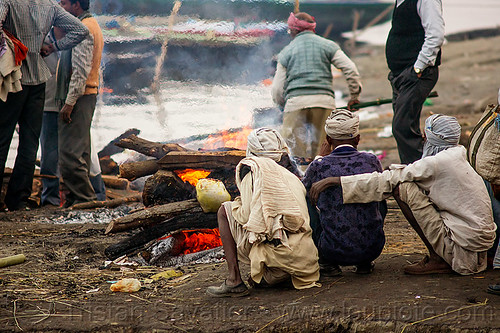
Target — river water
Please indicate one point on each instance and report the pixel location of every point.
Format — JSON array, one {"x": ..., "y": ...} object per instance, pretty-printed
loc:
[{"x": 193, "y": 108}]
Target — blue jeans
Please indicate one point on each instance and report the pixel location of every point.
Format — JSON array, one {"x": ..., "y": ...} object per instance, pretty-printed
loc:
[{"x": 50, "y": 157}]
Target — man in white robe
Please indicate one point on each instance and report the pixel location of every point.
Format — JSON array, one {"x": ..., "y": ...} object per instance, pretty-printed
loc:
[
  {"x": 267, "y": 226},
  {"x": 442, "y": 197}
]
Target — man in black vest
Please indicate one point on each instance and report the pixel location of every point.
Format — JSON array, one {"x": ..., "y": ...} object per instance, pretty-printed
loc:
[{"x": 413, "y": 52}]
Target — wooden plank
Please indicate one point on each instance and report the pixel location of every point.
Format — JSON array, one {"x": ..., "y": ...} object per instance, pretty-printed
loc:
[{"x": 201, "y": 160}]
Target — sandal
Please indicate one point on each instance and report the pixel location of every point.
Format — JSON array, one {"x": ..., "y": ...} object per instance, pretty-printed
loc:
[
  {"x": 493, "y": 289},
  {"x": 228, "y": 291},
  {"x": 424, "y": 267}
]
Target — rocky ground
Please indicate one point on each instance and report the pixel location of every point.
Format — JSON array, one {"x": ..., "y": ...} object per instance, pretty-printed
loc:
[{"x": 62, "y": 286}]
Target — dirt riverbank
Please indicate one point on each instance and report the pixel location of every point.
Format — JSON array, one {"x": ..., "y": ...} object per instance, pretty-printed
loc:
[{"x": 62, "y": 288}]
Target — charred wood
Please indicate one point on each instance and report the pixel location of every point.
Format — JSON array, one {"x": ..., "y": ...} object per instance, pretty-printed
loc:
[
  {"x": 178, "y": 160},
  {"x": 108, "y": 203},
  {"x": 111, "y": 149},
  {"x": 166, "y": 187},
  {"x": 151, "y": 216},
  {"x": 149, "y": 148},
  {"x": 108, "y": 166},
  {"x": 193, "y": 220}
]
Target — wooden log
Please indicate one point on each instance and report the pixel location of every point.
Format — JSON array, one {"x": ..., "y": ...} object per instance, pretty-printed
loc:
[
  {"x": 195, "y": 219},
  {"x": 177, "y": 160},
  {"x": 108, "y": 203},
  {"x": 149, "y": 148},
  {"x": 134, "y": 170},
  {"x": 12, "y": 260},
  {"x": 108, "y": 166},
  {"x": 115, "y": 182},
  {"x": 151, "y": 216},
  {"x": 111, "y": 149},
  {"x": 166, "y": 187}
]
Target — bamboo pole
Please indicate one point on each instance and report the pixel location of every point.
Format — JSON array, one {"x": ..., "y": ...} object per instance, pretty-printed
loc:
[
  {"x": 155, "y": 87},
  {"x": 380, "y": 101},
  {"x": 12, "y": 260}
]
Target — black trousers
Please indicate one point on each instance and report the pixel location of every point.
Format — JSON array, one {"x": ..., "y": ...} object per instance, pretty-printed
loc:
[
  {"x": 408, "y": 95},
  {"x": 26, "y": 109}
]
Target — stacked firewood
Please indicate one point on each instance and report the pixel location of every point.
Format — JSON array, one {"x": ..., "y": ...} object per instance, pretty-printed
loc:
[{"x": 170, "y": 203}]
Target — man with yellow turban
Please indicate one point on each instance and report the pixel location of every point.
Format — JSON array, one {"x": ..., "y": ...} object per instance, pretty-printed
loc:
[
  {"x": 345, "y": 234},
  {"x": 303, "y": 84}
]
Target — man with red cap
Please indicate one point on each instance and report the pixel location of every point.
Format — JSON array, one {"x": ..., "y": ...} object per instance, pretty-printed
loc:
[{"x": 303, "y": 84}]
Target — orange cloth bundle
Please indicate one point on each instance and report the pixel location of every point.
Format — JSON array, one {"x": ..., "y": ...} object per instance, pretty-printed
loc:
[{"x": 20, "y": 50}]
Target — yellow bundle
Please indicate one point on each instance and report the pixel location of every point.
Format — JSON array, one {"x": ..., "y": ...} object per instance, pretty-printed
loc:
[{"x": 211, "y": 193}]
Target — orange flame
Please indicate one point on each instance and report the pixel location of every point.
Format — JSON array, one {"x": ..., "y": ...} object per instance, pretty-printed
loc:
[
  {"x": 191, "y": 175},
  {"x": 201, "y": 240},
  {"x": 197, "y": 240},
  {"x": 229, "y": 139}
]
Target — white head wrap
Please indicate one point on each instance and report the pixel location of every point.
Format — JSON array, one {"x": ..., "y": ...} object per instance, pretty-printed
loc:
[
  {"x": 266, "y": 142},
  {"x": 442, "y": 132},
  {"x": 342, "y": 125}
]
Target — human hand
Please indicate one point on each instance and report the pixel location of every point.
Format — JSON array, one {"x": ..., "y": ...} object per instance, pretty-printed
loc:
[
  {"x": 47, "y": 49},
  {"x": 66, "y": 113},
  {"x": 320, "y": 186},
  {"x": 325, "y": 149},
  {"x": 352, "y": 102}
]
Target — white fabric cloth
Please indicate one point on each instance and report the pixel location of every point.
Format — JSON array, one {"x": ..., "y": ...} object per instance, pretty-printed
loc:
[
  {"x": 342, "y": 125},
  {"x": 10, "y": 74},
  {"x": 266, "y": 142},
  {"x": 263, "y": 214},
  {"x": 452, "y": 185},
  {"x": 275, "y": 202}
]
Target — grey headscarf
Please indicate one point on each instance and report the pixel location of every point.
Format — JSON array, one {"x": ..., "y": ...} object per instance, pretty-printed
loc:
[
  {"x": 266, "y": 142},
  {"x": 342, "y": 125},
  {"x": 442, "y": 132}
]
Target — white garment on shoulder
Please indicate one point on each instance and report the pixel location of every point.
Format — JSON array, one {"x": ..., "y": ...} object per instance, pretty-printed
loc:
[{"x": 452, "y": 185}]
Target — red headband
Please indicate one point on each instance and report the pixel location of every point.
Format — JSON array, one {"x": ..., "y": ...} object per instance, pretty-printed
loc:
[{"x": 299, "y": 25}]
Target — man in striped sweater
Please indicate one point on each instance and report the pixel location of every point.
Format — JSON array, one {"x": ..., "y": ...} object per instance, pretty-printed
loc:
[{"x": 77, "y": 86}]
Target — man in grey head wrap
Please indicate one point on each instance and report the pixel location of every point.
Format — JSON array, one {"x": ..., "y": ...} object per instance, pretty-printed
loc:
[
  {"x": 441, "y": 196},
  {"x": 441, "y": 132},
  {"x": 267, "y": 226},
  {"x": 345, "y": 234}
]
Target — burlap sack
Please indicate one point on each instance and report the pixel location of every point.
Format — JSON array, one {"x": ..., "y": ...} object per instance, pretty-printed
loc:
[{"x": 483, "y": 151}]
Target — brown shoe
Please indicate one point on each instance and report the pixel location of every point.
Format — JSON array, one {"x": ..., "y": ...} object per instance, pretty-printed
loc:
[{"x": 425, "y": 266}]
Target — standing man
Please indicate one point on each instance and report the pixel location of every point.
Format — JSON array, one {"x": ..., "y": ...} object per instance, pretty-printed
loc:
[
  {"x": 30, "y": 21},
  {"x": 49, "y": 164},
  {"x": 77, "y": 84},
  {"x": 413, "y": 53},
  {"x": 303, "y": 84}
]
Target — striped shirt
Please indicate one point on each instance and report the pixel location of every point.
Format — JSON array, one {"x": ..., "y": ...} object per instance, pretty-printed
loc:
[{"x": 30, "y": 21}]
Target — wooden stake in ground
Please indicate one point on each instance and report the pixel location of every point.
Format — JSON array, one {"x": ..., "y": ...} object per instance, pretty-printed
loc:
[{"x": 159, "y": 63}]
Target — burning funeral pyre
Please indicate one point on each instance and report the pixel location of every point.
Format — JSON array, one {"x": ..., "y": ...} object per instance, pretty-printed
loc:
[{"x": 173, "y": 229}]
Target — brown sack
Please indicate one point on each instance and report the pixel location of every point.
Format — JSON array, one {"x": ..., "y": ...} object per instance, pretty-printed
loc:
[{"x": 483, "y": 151}]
